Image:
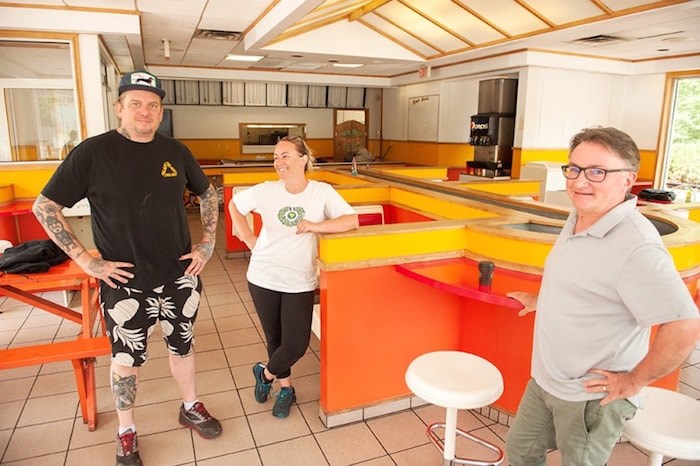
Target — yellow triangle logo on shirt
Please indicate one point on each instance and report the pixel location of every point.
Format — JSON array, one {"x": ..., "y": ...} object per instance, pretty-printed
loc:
[{"x": 168, "y": 171}]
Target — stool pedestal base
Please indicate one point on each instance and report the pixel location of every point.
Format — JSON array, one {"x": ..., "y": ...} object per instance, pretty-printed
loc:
[{"x": 447, "y": 447}]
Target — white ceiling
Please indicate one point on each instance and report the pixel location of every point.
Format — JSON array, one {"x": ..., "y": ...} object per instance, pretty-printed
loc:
[{"x": 391, "y": 37}]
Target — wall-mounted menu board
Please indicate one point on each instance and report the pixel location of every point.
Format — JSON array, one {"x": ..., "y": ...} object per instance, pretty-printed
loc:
[{"x": 423, "y": 114}]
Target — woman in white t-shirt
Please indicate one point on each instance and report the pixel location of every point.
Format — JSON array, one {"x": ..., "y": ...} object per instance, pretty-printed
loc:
[{"x": 282, "y": 271}]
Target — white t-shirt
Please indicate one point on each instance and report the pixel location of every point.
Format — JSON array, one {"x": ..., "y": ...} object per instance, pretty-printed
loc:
[{"x": 282, "y": 260}]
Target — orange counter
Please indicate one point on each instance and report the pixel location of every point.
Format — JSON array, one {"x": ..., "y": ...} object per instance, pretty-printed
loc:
[{"x": 389, "y": 293}]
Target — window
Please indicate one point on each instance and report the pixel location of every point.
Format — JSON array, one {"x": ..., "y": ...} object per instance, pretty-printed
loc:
[
  {"x": 681, "y": 161},
  {"x": 260, "y": 138},
  {"x": 678, "y": 166},
  {"x": 38, "y": 104}
]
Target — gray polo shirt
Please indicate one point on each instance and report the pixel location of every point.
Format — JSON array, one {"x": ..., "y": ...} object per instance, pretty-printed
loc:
[{"x": 601, "y": 291}]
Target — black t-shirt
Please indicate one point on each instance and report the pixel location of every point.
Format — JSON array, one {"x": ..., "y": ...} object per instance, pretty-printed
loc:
[{"x": 136, "y": 200}]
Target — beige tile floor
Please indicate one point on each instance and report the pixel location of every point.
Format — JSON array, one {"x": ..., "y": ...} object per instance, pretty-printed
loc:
[{"x": 40, "y": 422}]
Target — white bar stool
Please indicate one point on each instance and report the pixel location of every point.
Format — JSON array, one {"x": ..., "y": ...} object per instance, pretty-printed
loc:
[
  {"x": 455, "y": 380},
  {"x": 668, "y": 424}
]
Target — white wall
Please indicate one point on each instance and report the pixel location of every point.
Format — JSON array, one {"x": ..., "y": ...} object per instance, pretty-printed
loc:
[
  {"x": 559, "y": 103},
  {"x": 553, "y": 105},
  {"x": 396, "y": 107},
  {"x": 373, "y": 102},
  {"x": 458, "y": 102},
  {"x": 94, "y": 103},
  {"x": 221, "y": 121},
  {"x": 641, "y": 110}
]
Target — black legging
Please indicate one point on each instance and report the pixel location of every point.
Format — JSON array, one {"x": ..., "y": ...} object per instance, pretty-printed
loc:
[{"x": 286, "y": 320}]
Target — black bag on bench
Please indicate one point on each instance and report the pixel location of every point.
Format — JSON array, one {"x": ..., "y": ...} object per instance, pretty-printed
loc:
[{"x": 32, "y": 257}]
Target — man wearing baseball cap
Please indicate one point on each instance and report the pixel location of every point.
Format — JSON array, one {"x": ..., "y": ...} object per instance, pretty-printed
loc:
[{"x": 134, "y": 179}]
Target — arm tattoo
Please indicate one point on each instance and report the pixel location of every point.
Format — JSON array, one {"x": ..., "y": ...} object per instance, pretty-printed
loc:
[
  {"x": 124, "y": 390},
  {"x": 49, "y": 215},
  {"x": 209, "y": 211}
]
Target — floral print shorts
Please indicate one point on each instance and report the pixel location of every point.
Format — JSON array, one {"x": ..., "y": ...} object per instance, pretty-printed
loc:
[{"x": 131, "y": 316}]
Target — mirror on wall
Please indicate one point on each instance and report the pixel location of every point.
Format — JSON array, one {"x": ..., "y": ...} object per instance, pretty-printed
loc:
[
  {"x": 260, "y": 138},
  {"x": 38, "y": 104}
]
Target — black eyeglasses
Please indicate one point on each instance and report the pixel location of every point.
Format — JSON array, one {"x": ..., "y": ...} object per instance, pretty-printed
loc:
[{"x": 594, "y": 174}]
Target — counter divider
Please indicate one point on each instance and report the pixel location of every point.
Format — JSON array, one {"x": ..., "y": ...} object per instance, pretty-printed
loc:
[{"x": 428, "y": 273}]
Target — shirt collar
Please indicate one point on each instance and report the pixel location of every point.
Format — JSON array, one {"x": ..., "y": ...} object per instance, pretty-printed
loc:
[{"x": 608, "y": 221}]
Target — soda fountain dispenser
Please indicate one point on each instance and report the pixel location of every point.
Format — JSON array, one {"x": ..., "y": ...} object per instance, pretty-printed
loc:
[{"x": 492, "y": 129}]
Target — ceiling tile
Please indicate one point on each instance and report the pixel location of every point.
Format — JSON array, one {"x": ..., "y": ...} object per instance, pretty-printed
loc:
[
  {"x": 420, "y": 27},
  {"x": 226, "y": 15},
  {"x": 400, "y": 36},
  {"x": 559, "y": 12},
  {"x": 457, "y": 19},
  {"x": 110, "y": 4},
  {"x": 507, "y": 15}
]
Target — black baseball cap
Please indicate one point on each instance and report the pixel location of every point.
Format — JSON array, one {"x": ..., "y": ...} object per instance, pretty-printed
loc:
[{"x": 141, "y": 80}]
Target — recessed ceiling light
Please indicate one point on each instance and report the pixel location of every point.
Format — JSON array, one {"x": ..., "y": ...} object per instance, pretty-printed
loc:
[
  {"x": 347, "y": 65},
  {"x": 251, "y": 58},
  {"x": 677, "y": 39}
]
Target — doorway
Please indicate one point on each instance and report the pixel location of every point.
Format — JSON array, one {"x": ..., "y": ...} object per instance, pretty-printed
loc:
[
  {"x": 349, "y": 133},
  {"x": 680, "y": 163}
]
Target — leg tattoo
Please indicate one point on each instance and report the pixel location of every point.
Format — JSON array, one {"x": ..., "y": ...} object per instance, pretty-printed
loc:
[{"x": 124, "y": 390}]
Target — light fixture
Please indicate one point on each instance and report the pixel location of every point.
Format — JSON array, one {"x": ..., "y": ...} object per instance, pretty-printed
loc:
[
  {"x": 166, "y": 48},
  {"x": 347, "y": 65},
  {"x": 250, "y": 58}
]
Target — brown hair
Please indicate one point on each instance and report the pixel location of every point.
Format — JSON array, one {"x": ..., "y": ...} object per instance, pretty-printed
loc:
[
  {"x": 303, "y": 148},
  {"x": 616, "y": 141}
]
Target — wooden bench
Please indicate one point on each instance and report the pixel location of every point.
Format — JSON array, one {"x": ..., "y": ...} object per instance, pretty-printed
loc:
[{"x": 81, "y": 353}]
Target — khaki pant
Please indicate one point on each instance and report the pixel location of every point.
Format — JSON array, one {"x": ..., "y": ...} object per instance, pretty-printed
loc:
[{"x": 584, "y": 432}]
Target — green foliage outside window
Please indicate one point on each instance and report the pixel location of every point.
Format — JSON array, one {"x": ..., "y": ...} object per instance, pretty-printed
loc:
[{"x": 684, "y": 156}]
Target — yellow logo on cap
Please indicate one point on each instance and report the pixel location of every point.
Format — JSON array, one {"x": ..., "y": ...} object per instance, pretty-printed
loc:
[{"x": 168, "y": 171}]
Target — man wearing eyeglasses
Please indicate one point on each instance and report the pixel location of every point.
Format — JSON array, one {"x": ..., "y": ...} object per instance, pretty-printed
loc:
[{"x": 606, "y": 281}]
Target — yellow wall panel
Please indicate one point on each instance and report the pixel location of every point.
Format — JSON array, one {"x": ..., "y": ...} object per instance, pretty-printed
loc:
[
  {"x": 647, "y": 165},
  {"x": 242, "y": 179},
  {"x": 694, "y": 214},
  {"x": 230, "y": 149},
  {"x": 355, "y": 195},
  {"x": 321, "y": 148},
  {"x": 518, "y": 251},
  {"x": 439, "y": 207},
  {"x": 335, "y": 250},
  {"x": 506, "y": 188},
  {"x": 27, "y": 184},
  {"x": 454, "y": 155},
  {"x": 7, "y": 194},
  {"x": 428, "y": 153},
  {"x": 424, "y": 173},
  {"x": 685, "y": 257},
  {"x": 336, "y": 178}
]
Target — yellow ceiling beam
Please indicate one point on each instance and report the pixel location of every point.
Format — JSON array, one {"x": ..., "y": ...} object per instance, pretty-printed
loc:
[{"x": 368, "y": 8}]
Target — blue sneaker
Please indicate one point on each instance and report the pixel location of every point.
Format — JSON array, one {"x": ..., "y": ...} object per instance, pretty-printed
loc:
[
  {"x": 285, "y": 398},
  {"x": 262, "y": 387}
]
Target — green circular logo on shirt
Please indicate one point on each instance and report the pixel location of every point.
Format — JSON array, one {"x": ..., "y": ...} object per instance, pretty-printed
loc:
[{"x": 290, "y": 216}]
